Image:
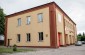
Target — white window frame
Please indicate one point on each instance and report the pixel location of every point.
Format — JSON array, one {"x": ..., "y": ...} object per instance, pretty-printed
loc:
[
  {"x": 59, "y": 17},
  {"x": 19, "y": 22},
  {"x": 28, "y": 19},
  {"x": 40, "y": 17},
  {"x": 28, "y": 37},
  {"x": 18, "y": 35},
  {"x": 41, "y": 37}
]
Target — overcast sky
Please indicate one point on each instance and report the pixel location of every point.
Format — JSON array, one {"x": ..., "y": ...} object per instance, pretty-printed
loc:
[{"x": 74, "y": 8}]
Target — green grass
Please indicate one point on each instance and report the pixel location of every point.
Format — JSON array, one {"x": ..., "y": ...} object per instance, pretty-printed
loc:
[{"x": 10, "y": 50}]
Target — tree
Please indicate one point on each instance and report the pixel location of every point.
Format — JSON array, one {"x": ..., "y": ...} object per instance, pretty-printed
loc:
[
  {"x": 83, "y": 37},
  {"x": 83, "y": 34},
  {"x": 79, "y": 37},
  {"x": 2, "y": 21}
]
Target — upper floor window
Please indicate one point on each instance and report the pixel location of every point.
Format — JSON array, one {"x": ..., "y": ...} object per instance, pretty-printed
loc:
[
  {"x": 28, "y": 19},
  {"x": 59, "y": 17},
  {"x": 28, "y": 37},
  {"x": 19, "y": 22},
  {"x": 18, "y": 37},
  {"x": 40, "y": 17},
  {"x": 40, "y": 36}
]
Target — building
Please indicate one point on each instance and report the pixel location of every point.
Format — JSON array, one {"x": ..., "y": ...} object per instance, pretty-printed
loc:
[
  {"x": 42, "y": 26},
  {"x": 1, "y": 39}
]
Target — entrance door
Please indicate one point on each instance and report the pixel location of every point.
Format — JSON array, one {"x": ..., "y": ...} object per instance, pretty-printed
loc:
[
  {"x": 9, "y": 42},
  {"x": 66, "y": 39},
  {"x": 59, "y": 36},
  {"x": 70, "y": 39}
]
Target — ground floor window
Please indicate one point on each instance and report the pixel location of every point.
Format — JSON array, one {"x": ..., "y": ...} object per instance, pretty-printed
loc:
[
  {"x": 18, "y": 37},
  {"x": 28, "y": 37},
  {"x": 40, "y": 36}
]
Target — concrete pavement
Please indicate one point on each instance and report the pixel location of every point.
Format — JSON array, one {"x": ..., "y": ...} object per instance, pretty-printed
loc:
[{"x": 70, "y": 50}]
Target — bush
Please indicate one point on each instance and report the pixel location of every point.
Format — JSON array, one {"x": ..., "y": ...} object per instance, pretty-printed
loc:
[
  {"x": 1, "y": 42},
  {"x": 14, "y": 47}
]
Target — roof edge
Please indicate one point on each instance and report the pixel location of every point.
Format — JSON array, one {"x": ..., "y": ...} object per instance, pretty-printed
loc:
[
  {"x": 41, "y": 6},
  {"x": 64, "y": 13},
  {"x": 29, "y": 9}
]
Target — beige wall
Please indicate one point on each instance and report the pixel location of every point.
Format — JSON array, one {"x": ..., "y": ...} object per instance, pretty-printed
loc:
[
  {"x": 69, "y": 29},
  {"x": 75, "y": 33},
  {"x": 33, "y": 28},
  {"x": 60, "y": 26}
]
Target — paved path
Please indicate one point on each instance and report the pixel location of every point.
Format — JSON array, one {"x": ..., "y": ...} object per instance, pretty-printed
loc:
[{"x": 70, "y": 50}]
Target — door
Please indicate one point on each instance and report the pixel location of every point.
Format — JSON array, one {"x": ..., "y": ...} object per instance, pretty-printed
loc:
[
  {"x": 66, "y": 39},
  {"x": 59, "y": 36},
  {"x": 8, "y": 42},
  {"x": 70, "y": 39}
]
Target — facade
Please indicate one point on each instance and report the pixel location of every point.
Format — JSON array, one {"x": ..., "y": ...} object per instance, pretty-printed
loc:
[{"x": 43, "y": 26}]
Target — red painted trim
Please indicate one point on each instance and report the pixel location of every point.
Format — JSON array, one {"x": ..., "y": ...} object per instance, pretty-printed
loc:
[
  {"x": 59, "y": 36},
  {"x": 53, "y": 30}
]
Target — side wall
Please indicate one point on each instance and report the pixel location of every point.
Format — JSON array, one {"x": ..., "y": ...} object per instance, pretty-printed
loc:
[
  {"x": 69, "y": 31},
  {"x": 33, "y": 28},
  {"x": 51, "y": 27},
  {"x": 60, "y": 27},
  {"x": 66, "y": 28}
]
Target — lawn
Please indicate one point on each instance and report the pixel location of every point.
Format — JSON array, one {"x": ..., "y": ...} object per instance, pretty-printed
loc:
[{"x": 10, "y": 50}]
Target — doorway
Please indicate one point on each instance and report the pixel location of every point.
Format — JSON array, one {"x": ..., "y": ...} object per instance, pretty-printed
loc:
[
  {"x": 70, "y": 39},
  {"x": 59, "y": 38},
  {"x": 9, "y": 42},
  {"x": 66, "y": 39}
]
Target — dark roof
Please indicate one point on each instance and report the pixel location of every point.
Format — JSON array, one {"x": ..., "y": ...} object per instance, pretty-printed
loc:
[{"x": 21, "y": 12}]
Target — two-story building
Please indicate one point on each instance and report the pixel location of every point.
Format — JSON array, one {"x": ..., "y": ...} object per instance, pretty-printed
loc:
[{"x": 42, "y": 26}]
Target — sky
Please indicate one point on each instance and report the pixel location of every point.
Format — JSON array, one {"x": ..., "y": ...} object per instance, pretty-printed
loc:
[{"x": 74, "y": 8}]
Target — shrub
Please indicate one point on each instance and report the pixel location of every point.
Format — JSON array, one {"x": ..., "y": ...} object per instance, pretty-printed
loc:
[{"x": 14, "y": 47}]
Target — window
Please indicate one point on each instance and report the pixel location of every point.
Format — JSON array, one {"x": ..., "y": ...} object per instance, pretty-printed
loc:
[
  {"x": 40, "y": 36},
  {"x": 59, "y": 17},
  {"x": 18, "y": 37},
  {"x": 28, "y": 19},
  {"x": 28, "y": 37},
  {"x": 40, "y": 17},
  {"x": 19, "y": 22}
]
